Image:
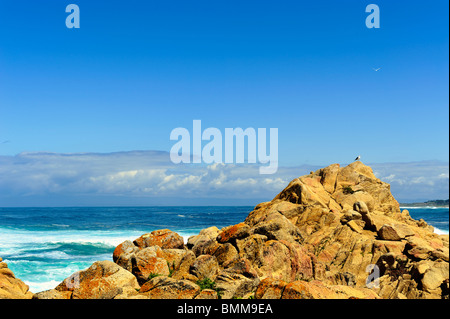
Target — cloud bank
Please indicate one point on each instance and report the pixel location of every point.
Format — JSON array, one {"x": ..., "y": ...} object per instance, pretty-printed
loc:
[{"x": 150, "y": 178}]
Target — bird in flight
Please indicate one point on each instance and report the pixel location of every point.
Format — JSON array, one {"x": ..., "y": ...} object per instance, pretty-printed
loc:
[
  {"x": 376, "y": 70},
  {"x": 358, "y": 158}
]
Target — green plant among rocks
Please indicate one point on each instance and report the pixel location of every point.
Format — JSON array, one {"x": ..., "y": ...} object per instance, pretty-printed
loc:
[
  {"x": 153, "y": 275},
  {"x": 207, "y": 283},
  {"x": 171, "y": 268}
]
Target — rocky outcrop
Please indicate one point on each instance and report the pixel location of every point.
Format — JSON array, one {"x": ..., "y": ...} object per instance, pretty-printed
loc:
[
  {"x": 276, "y": 289},
  {"x": 102, "y": 280},
  {"x": 334, "y": 233},
  {"x": 10, "y": 286}
]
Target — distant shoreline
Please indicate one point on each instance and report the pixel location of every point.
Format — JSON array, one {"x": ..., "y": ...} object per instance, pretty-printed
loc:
[
  {"x": 438, "y": 203},
  {"x": 409, "y": 206}
]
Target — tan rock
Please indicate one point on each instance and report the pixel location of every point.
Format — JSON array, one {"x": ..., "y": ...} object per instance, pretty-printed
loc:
[
  {"x": 398, "y": 288},
  {"x": 244, "y": 267},
  {"x": 123, "y": 253},
  {"x": 232, "y": 233},
  {"x": 163, "y": 287},
  {"x": 277, "y": 227},
  {"x": 317, "y": 290},
  {"x": 354, "y": 226},
  {"x": 102, "y": 280},
  {"x": 361, "y": 207},
  {"x": 205, "y": 266},
  {"x": 423, "y": 266},
  {"x": 207, "y": 294},
  {"x": 173, "y": 256},
  {"x": 307, "y": 290},
  {"x": 232, "y": 285},
  {"x": 387, "y": 246},
  {"x": 210, "y": 232},
  {"x": 206, "y": 247},
  {"x": 418, "y": 247},
  {"x": 328, "y": 177},
  {"x": 440, "y": 253},
  {"x": 226, "y": 254},
  {"x": 307, "y": 191},
  {"x": 251, "y": 248},
  {"x": 205, "y": 235},
  {"x": 145, "y": 263},
  {"x": 376, "y": 220},
  {"x": 163, "y": 238},
  {"x": 347, "y": 200},
  {"x": 275, "y": 261},
  {"x": 288, "y": 209},
  {"x": 182, "y": 270},
  {"x": 347, "y": 292},
  {"x": 197, "y": 240},
  {"x": 10, "y": 286},
  {"x": 350, "y": 215},
  {"x": 435, "y": 275},
  {"x": 445, "y": 240},
  {"x": 394, "y": 232},
  {"x": 389, "y": 232},
  {"x": 270, "y": 288},
  {"x": 53, "y": 294}
]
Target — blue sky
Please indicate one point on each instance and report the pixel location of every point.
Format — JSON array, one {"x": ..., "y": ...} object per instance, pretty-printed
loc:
[{"x": 135, "y": 70}]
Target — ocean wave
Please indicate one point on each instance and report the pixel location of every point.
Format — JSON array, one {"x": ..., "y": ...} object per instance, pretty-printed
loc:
[
  {"x": 48, "y": 256},
  {"x": 36, "y": 287},
  {"x": 82, "y": 244},
  {"x": 25, "y": 236}
]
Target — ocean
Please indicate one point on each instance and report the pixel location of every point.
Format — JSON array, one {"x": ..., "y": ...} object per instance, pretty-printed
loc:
[{"x": 43, "y": 246}]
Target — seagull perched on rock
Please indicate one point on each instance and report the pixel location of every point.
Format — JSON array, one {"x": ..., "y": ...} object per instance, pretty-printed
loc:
[{"x": 358, "y": 158}]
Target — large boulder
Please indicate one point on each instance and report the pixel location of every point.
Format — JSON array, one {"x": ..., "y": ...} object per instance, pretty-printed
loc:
[
  {"x": 163, "y": 287},
  {"x": 436, "y": 275},
  {"x": 163, "y": 238},
  {"x": 205, "y": 266},
  {"x": 235, "y": 285},
  {"x": 146, "y": 263},
  {"x": 10, "y": 286},
  {"x": 394, "y": 232},
  {"x": 102, "y": 280},
  {"x": 317, "y": 290},
  {"x": 124, "y": 253}
]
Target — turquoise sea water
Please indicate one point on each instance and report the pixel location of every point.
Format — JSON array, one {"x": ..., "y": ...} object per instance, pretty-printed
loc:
[{"x": 43, "y": 246}]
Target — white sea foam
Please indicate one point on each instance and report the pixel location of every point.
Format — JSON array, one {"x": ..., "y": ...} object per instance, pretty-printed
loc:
[
  {"x": 440, "y": 231},
  {"x": 18, "y": 238},
  {"x": 42, "y": 286},
  {"x": 47, "y": 255}
]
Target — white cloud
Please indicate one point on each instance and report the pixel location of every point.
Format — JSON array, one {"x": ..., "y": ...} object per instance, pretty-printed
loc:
[
  {"x": 415, "y": 181},
  {"x": 150, "y": 174},
  {"x": 443, "y": 176}
]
